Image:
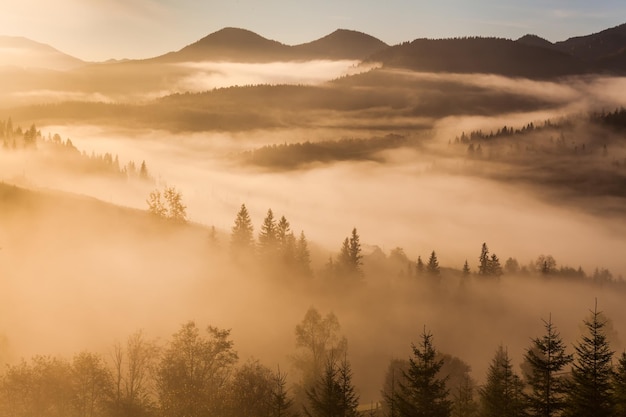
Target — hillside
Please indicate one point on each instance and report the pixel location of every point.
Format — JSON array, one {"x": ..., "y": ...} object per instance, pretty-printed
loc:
[
  {"x": 481, "y": 55},
  {"x": 596, "y": 46},
  {"x": 25, "y": 53},
  {"x": 341, "y": 44}
]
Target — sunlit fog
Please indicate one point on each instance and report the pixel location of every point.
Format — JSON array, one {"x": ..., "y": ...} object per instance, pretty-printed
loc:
[{"x": 307, "y": 219}]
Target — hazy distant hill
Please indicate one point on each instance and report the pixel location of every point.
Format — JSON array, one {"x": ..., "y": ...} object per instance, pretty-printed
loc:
[
  {"x": 25, "y": 53},
  {"x": 230, "y": 44},
  {"x": 534, "y": 40},
  {"x": 240, "y": 45},
  {"x": 341, "y": 44},
  {"x": 596, "y": 46},
  {"x": 481, "y": 55}
]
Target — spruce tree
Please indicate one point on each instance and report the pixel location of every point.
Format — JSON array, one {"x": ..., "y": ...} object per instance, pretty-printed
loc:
[
  {"x": 494, "y": 268},
  {"x": 619, "y": 386},
  {"x": 483, "y": 260},
  {"x": 591, "y": 393},
  {"x": 241, "y": 237},
  {"x": 303, "y": 256},
  {"x": 548, "y": 386},
  {"x": 466, "y": 269},
  {"x": 333, "y": 395},
  {"x": 268, "y": 234},
  {"x": 423, "y": 393},
  {"x": 419, "y": 266},
  {"x": 501, "y": 396},
  {"x": 433, "y": 265}
]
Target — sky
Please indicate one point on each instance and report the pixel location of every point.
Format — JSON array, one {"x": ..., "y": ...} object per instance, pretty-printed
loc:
[{"x": 97, "y": 30}]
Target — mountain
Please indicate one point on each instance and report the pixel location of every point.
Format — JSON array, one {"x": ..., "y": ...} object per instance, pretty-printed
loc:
[
  {"x": 241, "y": 45},
  {"x": 341, "y": 44},
  {"x": 230, "y": 44},
  {"x": 481, "y": 55},
  {"x": 25, "y": 53},
  {"x": 534, "y": 40},
  {"x": 596, "y": 46}
]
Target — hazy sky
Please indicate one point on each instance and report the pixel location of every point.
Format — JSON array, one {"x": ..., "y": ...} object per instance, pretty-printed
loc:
[{"x": 102, "y": 29}]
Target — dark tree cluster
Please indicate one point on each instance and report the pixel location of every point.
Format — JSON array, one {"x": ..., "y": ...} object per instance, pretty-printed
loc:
[
  {"x": 553, "y": 383},
  {"x": 65, "y": 155}
]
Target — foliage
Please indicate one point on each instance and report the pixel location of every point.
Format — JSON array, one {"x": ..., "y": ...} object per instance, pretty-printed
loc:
[
  {"x": 422, "y": 392},
  {"x": 193, "y": 373},
  {"x": 167, "y": 205},
  {"x": 591, "y": 393},
  {"x": 502, "y": 396},
  {"x": 333, "y": 395},
  {"x": 548, "y": 387}
]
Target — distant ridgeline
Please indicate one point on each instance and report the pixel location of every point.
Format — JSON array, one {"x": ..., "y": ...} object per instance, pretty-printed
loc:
[
  {"x": 63, "y": 154},
  {"x": 293, "y": 155},
  {"x": 594, "y": 140}
]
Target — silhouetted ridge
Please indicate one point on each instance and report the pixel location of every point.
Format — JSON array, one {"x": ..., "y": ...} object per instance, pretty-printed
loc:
[
  {"x": 596, "y": 46},
  {"x": 534, "y": 40},
  {"x": 342, "y": 44},
  {"x": 231, "y": 44},
  {"x": 480, "y": 55}
]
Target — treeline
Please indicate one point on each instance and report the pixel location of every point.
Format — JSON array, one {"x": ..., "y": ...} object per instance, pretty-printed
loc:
[
  {"x": 196, "y": 374},
  {"x": 553, "y": 382},
  {"x": 295, "y": 154},
  {"x": 64, "y": 154}
]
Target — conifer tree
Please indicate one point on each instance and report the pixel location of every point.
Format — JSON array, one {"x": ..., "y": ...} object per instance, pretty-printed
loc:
[
  {"x": 241, "y": 237},
  {"x": 423, "y": 393},
  {"x": 548, "y": 386},
  {"x": 465, "y": 404},
  {"x": 303, "y": 256},
  {"x": 483, "y": 260},
  {"x": 619, "y": 386},
  {"x": 501, "y": 396},
  {"x": 494, "y": 268},
  {"x": 334, "y": 394},
  {"x": 433, "y": 265},
  {"x": 466, "y": 269},
  {"x": 419, "y": 266},
  {"x": 268, "y": 234},
  {"x": 591, "y": 392},
  {"x": 350, "y": 257}
]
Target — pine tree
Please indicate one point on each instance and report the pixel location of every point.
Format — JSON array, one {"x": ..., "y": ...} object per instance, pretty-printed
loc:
[
  {"x": 355, "y": 251},
  {"x": 483, "y": 260},
  {"x": 464, "y": 403},
  {"x": 619, "y": 386},
  {"x": 502, "y": 396},
  {"x": 350, "y": 257},
  {"x": 303, "y": 256},
  {"x": 494, "y": 268},
  {"x": 423, "y": 394},
  {"x": 419, "y": 266},
  {"x": 433, "y": 265},
  {"x": 591, "y": 393},
  {"x": 268, "y": 234},
  {"x": 333, "y": 395},
  {"x": 241, "y": 237},
  {"x": 280, "y": 402},
  {"x": 548, "y": 387},
  {"x": 466, "y": 269}
]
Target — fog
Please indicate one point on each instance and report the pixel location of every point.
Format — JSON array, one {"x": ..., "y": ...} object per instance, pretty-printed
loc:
[{"x": 80, "y": 272}]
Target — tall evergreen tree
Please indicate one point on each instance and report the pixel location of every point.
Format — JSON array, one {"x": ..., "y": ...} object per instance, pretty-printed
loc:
[
  {"x": 591, "y": 393},
  {"x": 464, "y": 404},
  {"x": 242, "y": 237},
  {"x": 303, "y": 256},
  {"x": 466, "y": 269},
  {"x": 619, "y": 386},
  {"x": 548, "y": 387},
  {"x": 333, "y": 395},
  {"x": 268, "y": 234},
  {"x": 350, "y": 257},
  {"x": 433, "y": 265},
  {"x": 419, "y": 267},
  {"x": 501, "y": 396},
  {"x": 423, "y": 393},
  {"x": 483, "y": 260},
  {"x": 494, "y": 268}
]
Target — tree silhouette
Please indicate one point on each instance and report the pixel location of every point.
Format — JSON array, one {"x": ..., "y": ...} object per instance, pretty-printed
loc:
[
  {"x": 268, "y": 235},
  {"x": 591, "y": 392},
  {"x": 502, "y": 396},
  {"x": 423, "y": 393},
  {"x": 433, "y": 265},
  {"x": 548, "y": 387},
  {"x": 241, "y": 237}
]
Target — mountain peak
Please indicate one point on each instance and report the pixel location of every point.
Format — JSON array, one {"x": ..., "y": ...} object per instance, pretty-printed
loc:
[{"x": 23, "y": 52}]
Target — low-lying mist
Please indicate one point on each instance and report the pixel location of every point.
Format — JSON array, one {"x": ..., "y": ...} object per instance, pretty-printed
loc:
[{"x": 83, "y": 265}]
